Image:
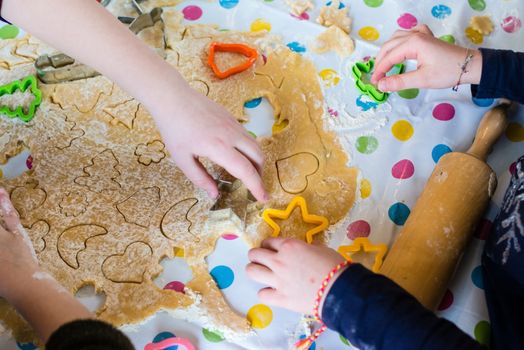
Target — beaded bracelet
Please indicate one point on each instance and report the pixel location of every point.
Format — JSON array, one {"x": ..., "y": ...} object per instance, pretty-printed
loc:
[
  {"x": 463, "y": 68},
  {"x": 305, "y": 343}
]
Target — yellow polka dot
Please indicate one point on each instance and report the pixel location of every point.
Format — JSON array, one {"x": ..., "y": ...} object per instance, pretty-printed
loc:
[
  {"x": 278, "y": 127},
  {"x": 330, "y": 77},
  {"x": 369, "y": 33},
  {"x": 474, "y": 36},
  {"x": 402, "y": 130},
  {"x": 365, "y": 188},
  {"x": 179, "y": 253},
  {"x": 260, "y": 24},
  {"x": 260, "y": 316}
]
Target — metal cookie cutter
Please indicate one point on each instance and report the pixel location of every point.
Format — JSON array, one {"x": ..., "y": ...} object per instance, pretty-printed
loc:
[
  {"x": 321, "y": 221},
  {"x": 233, "y": 195},
  {"x": 361, "y": 70},
  {"x": 61, "y": 68},
  {"x": 362, "y": 244}
]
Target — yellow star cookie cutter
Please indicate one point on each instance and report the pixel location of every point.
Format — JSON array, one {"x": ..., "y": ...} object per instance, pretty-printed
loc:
[
  {"x": 363, "y": 244},
  {"x": 300, "y": 202}
]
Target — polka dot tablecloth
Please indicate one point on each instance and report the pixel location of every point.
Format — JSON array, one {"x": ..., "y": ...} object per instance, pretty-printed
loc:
[{"x": 395, "y": 146}]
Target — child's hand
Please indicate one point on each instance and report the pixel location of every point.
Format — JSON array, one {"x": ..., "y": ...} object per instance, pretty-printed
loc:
[
  {"x": 293, "y": 271},
  {"x": 438, "y": 62},
  {"x": 17, "y": 258},
  {"x": 198, "y": 127}
]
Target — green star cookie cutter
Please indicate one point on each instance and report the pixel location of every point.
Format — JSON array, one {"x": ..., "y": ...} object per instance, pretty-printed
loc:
[
  {"x": 22, "y": 86},
  {"x": 362, "y": 70}
]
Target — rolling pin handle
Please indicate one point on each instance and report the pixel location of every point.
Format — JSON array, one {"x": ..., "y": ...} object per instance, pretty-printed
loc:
[{"x": 491, "y": 127}]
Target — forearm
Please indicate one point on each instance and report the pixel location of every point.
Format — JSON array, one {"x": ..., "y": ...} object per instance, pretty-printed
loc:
[
  {"x": 372, "y": 311},
  {"x": 89, "y": 33},
  {"x": 45, "y": 304}
]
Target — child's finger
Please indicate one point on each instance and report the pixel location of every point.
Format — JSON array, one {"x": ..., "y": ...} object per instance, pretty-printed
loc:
[
  {"x": 8, "y": 212},
  {"x": 262, "y": 256},
  {"x": 197, "y": 174},
  {"x": 386, "y": 48},
  {"x": 424, "y": 29},
  {"x": 397, "y": 55},
  {"x": 260, "y": 274},
  {"x": 271, "y": 296},
  {"x": 273, "y": 243},
  {"x": 402, "y": 81},
  {"x": 249, "y": 147},
  {"x": 240, "y": 167}
]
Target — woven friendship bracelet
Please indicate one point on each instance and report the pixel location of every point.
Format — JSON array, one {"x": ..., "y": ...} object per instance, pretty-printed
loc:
[{"x": 305, "y": 343}]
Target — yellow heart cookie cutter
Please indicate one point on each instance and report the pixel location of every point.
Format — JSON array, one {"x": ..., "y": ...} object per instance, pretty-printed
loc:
[
  {"x": 363, "y": 244},
  {"x": 300, "y": 202}
]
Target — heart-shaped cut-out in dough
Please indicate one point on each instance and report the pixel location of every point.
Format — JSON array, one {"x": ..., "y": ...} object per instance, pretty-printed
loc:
[
  {"x": 28, "y": 198},
  {"x": 130, "y": 266},
  {"x": 293, "y": 171},
  {"x": 515, "y": 132}
]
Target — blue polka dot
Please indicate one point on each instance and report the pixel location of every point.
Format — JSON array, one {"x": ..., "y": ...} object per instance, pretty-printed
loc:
[
  {"x": 483, "y": 102},
  {"x": 439, "y": 151},
  {"x": 477, "y": 278},
  {"x": 163, "y": 336},
  {"x": 312, "y": 346},
  {"x": 440, "y": 11},
  {"x": 223, "y": 276},
  {"x": 253, "y": 103},
  {"x": 398, "y": 213},
  {"x": 340, "y": 4},
  {"x": 26, "y": 346},
  {"x": 297, "y": 47},
  {"x": 365, "y": 105},
  {"x": 228, "y": 4}
]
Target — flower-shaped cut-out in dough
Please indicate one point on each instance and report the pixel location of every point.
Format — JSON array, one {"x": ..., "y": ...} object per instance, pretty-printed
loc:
[{"x": 152, "y": 152}]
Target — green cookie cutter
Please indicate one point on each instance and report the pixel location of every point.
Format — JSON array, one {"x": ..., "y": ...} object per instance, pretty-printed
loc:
[
  {"x": 362, "y": 69},
  {"x": 22, "y": 86}
]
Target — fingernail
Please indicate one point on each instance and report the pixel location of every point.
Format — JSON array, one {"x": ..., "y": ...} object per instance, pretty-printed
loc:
[
  {"x": 382, "y": 86},
  {"x": 212, "y": 194}
]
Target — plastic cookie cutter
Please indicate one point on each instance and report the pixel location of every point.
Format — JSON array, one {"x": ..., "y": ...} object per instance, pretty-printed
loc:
[
  {"x": 242, "y": 49},
  {"x": 61, "y": 68},
  {"x": 362, "y": 244},
  {"x": 22, "y": 86},
  {"x": 321, "y": 222},
  {"x": 362, "y": 72},
  {"x": 186, "y": 344}
]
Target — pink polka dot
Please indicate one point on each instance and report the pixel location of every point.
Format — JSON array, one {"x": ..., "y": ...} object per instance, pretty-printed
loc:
[
  {"x": 407, "y": 21},
  {"x": 446, "y": 302},
  {"x": 229, "y": 236},
  {"x": 403, "y": 169},
  {"x": 444, "y": 112},
  {"x": 359, "y": 228},
  {"x": 513, "y": 168},
  {"x": 511, "y": 24},
  {"x": 177, "y": 286},
  {"x": 192, "y": 13},
  {"x": 483, "y": 229},
  {"x": 29, "y": 162},
  {"x": 302, "y": 17}
]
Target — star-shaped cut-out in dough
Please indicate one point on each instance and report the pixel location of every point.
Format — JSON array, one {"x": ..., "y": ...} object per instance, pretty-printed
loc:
[
  {"x": 321, "y": 222},
  {"x": 362, "y": 244}
]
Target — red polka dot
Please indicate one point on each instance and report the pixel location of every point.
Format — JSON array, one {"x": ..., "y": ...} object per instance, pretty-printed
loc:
[
  {"x": 446, "y": 302},
  {"x": 229, "y": 236},
  {"x": 359, "y": 228},
  {"x": 177, "y": 286},
  {"x": 403, "y": 169},
  {"x": 192, "y": 13},
  {"x": 29, "y": 162},
  {"x": 483, "y": 229},
  {"x": 302, "y": 17},
  {"x": 444, "y": 112},
  {"x": 513, "y": 168},
  {"x": 511, "y": 24},
  {"x": 407, "y": 21}
]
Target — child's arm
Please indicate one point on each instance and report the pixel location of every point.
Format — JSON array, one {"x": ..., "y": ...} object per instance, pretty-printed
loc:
[
  {"x": 492, "y": 73},
  {"x": 368, "y": 309},
  {"x": 191, "y": 125},
  {"x": 55, "y": 315}
]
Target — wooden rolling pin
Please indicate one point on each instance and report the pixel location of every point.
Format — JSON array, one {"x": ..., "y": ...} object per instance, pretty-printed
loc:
[{"x": 426, "y": 252}]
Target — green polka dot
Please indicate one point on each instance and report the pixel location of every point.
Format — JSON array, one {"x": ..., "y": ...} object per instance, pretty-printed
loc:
[
  {"x": 344, "y": 340},
  {"x": 252, "y": 134},
  {"x": 213, "y": 337},
  {"x": 409, "y": 93},
  {"x": 482, "y": 332},
  {"x": 9, "y": 32},
  {"x": 477, "y": 5},
  {"x": 373, "y": 3},
  {"x": 367, "y": 144},
  {"x": 448, "y": 38}
]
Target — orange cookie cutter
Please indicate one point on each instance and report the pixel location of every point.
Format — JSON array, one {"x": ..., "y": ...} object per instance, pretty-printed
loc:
[
  {"x": 363, "y": 244},
  {"x": 242, "y": 49},
  {"x": 300, "y": 202}
]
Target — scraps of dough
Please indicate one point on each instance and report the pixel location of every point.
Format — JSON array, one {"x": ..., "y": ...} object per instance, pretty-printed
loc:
[{"x": 103, "y": 204}]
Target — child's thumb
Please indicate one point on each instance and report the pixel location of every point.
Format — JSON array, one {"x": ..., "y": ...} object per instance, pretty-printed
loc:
[{"x": 400, "y": 82}]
